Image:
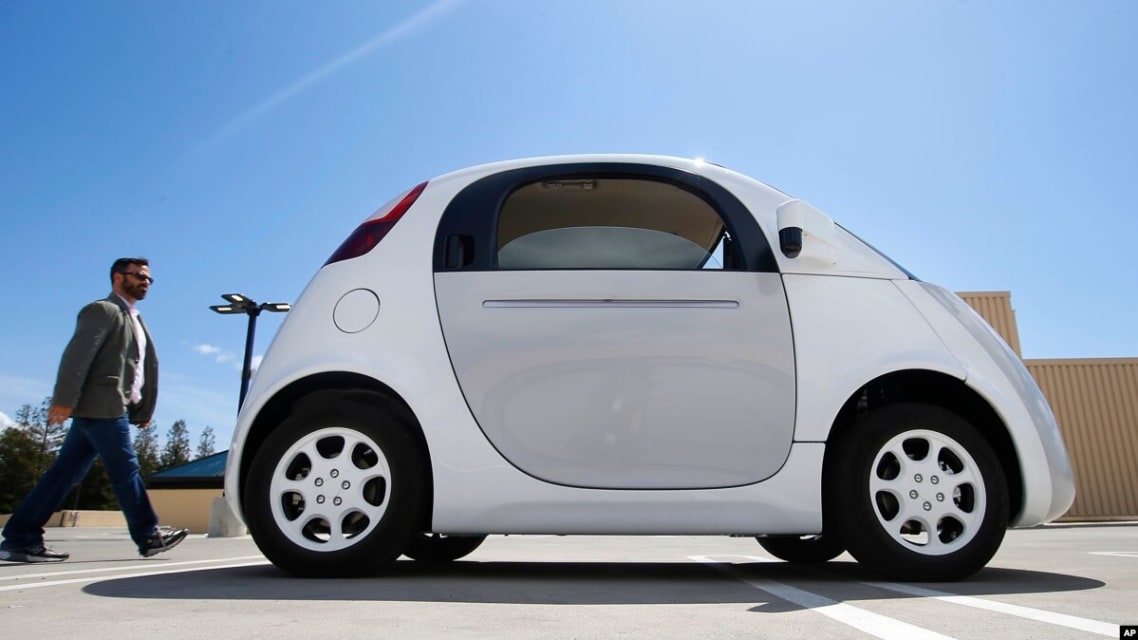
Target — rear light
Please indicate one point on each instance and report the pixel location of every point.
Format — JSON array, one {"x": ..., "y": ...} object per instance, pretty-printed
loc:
[{"x": 368, "y": 234}]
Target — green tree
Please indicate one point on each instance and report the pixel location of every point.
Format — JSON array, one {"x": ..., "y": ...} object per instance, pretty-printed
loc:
[
  {"x": 29, "y": 447},
  {"x": 177, "y": 450},
  {"x": 92, "y": 492},
  {"x": 47, "y": 437},
  {"x": 38, "y": 455},
  {"x": 206, "y": 443},
  {"x": 146, "y": 447},
  {"x": 19, "y": 453}
]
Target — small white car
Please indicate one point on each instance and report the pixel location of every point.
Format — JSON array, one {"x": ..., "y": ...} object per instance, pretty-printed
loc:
[{"x": 634, "y": 345}]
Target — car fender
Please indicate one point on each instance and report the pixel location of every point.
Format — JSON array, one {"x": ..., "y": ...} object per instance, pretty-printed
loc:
[
  {"x": 848, "y": 332},
  {"x": 998, "y": 374}
]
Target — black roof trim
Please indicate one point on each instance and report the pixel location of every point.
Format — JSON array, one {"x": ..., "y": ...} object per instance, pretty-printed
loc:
[{"x": 473, "y": 212}]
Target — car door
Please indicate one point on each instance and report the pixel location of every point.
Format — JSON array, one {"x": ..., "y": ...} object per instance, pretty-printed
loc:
[{"x": 617, "y": 326}]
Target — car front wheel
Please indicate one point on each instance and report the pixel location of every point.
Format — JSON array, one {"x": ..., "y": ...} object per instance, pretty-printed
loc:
[
  {"x": 918, "y": 494},
  {"x": 336, "y": 490}
]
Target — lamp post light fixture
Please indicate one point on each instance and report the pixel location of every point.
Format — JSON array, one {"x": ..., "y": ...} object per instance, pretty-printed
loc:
[{"x": 239, "y": 303}]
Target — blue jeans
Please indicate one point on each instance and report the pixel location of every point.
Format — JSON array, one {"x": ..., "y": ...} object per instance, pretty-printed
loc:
[{"x": 109, "y": 438}]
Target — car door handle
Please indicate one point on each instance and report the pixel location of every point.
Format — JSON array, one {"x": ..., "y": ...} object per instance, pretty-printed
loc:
[
  {"x": 459, "y": 251},
  {"x": 603, "y": 303}
]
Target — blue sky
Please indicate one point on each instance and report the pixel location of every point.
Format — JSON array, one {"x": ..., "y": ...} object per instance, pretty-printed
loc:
[{"x": 984, "y": 146}]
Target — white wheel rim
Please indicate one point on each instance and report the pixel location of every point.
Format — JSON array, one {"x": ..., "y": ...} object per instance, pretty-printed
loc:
[
  {"x": 330, "y": 489},
  {"x": 927, "y": 492}
]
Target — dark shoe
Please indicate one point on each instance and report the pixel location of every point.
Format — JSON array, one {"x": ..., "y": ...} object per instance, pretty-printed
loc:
[
  {"x": 37, "y": 553},
  {"x": 163, "y": 539}
]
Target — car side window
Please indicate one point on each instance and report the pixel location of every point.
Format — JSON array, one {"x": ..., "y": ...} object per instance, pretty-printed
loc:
[{"x": 609, "y": 223}]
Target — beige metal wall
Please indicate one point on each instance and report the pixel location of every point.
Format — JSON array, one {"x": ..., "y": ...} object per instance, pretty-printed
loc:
[
  {"x": 996, "y": 308},
  {"x": 189, "y": 508},
  {"x": 69, "y": 518},
  {"x": 1096, "y": 403}
]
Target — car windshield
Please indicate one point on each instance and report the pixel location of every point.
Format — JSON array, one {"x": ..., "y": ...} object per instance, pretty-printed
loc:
[{"x": 878, "y": 252}]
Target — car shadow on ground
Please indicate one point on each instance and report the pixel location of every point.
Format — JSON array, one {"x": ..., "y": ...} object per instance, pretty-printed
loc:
[{"x": 569, "y": 583}]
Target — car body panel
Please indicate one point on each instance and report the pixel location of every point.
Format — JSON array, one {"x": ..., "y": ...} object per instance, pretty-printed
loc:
[
  {"x": 852, "y": 319},
  {"x": 501, "y": 499},
  {"x": 626, "y": 379},
  {"x": 848, "y": 332}
]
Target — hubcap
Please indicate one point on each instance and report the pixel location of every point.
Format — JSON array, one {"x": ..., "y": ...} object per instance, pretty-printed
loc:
[
  {"x": 330, "y": 489},
  {"x": 927, "y": 492}
]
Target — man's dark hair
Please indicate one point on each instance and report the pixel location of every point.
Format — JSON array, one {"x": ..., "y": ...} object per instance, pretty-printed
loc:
[{"x": 120, "y": 265}]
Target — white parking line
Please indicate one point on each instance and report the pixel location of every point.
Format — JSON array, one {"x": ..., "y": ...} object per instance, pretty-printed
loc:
[
  {"x": 148, "y": 565},
  {"x": 142, "y": 574},
  {"x": 1059, "y": 619},
  {"x": 860, "y": 619},
  {"x": 1120, "y": 554}
]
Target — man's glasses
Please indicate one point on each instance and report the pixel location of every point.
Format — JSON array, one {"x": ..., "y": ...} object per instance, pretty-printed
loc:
[{"x": 140, "y": 276}]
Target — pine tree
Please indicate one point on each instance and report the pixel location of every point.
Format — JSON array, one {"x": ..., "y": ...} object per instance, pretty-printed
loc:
[
  {"x": 177, "y": 450},
  {"x": 206, "y": 443},
  {"x": 47, "y": 437},
  {"x": 146, "y": 447}
]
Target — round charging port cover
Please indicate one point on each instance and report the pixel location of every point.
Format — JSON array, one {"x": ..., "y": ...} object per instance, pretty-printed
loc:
[{"x": 356, "y": 310}]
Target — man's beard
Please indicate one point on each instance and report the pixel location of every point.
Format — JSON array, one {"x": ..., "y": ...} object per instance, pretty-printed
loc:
[{"x": 135, "y": 291}]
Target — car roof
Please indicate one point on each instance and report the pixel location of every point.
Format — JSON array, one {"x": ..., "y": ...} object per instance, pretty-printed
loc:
[{"x": 696, "y": 166}]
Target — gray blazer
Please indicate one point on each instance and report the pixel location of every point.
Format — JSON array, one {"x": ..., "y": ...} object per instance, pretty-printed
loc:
[{"x": 98, "y": 365}]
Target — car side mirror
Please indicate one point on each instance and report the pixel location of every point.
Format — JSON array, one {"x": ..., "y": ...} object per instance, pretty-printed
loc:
[{"x": 805, "y": 233}]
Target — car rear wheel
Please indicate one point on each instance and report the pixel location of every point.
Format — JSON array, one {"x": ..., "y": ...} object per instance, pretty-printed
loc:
[
  {"x": 338, "y": 489},
  {"x": 803, "y": 549},
  {"x": 918, "y": 494},
  {"x": 435, "y": 547}
]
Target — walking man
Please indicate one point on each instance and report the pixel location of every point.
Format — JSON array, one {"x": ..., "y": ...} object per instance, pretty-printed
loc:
[{"x": 108, "y": 380}]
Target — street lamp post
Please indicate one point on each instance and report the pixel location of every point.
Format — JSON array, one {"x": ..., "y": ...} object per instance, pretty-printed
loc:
[{"x": 239, "y": 303}]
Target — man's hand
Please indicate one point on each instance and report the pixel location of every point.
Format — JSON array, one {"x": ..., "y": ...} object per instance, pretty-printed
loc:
[
  {"x": 58, "y": 414},
  {"x": 143, "y": 425}
]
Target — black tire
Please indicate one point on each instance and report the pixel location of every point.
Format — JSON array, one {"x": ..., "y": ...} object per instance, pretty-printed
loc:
[
  {"x": 337, "y": 490},
  {"x": 803, "y": 549},
  {"x": 917, "y": 494},
  {"x": 433, "y": 547}
]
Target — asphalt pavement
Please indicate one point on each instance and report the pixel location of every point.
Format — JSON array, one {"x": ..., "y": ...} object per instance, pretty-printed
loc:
[{"x": 1058, "y": 581}]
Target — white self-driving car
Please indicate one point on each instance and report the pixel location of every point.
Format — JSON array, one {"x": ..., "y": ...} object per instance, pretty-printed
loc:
[{"x": 625, "y": 344}]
